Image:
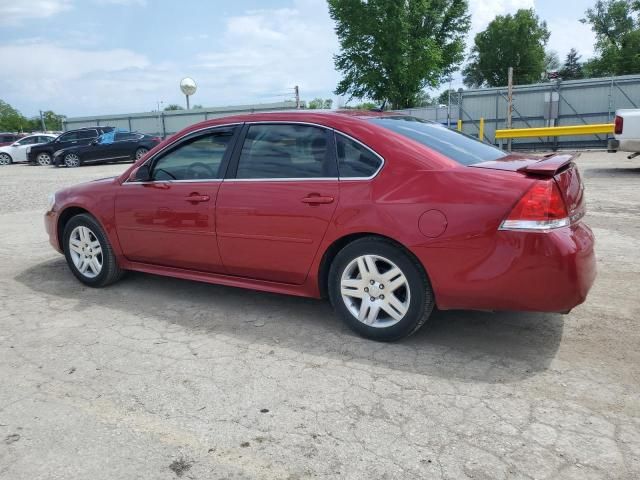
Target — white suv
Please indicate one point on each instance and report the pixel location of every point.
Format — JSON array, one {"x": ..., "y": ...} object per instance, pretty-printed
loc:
[{"x": 17, "y": 151}]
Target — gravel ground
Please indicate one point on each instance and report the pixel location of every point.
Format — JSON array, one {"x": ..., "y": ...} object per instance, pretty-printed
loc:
[{"x": 155, "y": 378}]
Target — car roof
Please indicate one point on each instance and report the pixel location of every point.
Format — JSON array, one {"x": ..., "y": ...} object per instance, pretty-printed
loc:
[{"x": 328, "y": 118}]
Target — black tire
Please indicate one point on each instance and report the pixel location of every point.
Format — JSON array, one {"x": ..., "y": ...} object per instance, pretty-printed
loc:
[
  {"x": 5, "y": 157},
  {"x": 421, "y": 300},
  {"x": 110, "y": 271}
]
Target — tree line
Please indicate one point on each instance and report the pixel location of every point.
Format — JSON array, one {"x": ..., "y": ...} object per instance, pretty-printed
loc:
[
  {"x": 11, "y": 120},
  {"x": 392, "y": 51}
]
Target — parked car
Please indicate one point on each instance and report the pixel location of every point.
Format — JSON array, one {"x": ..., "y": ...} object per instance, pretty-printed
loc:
[
  {"x": 113, "y": 146},
  {"x": 17, "y": 151},
  {"x": 626, "y": 132},
  {"x": 9, "y": 138},
  {"x": 43, "y": 154},
  {"x": 387, "y": 215}
]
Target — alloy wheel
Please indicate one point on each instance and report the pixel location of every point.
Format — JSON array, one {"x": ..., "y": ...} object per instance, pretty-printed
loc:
[
  {"x": 85, "y": 251},
  {"x": 141, "y": 152},
  {"x": 375, "y": 291},
  {"x": 5, "y": 159},
  {"x": 71, "y": 160},
  {"x": 44, "y": 159}
]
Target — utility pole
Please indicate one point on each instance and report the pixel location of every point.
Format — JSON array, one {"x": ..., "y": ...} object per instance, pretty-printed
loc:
[
  {"x": 509, "y": 103},
  {"x": 44, "y": 127},
  {"x": 297, "y": 90}
]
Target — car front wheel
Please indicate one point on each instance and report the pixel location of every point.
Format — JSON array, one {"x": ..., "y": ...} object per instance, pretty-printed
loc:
[
  {"x": 379, "y": 290},
  {"x": 88, "y": 252},
  {"x": 5, "y": 159},
  {"x": 43, "y": 159}
]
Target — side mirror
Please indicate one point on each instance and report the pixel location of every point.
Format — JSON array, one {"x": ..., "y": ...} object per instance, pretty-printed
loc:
[
  {"x": 142, "y": 174},
  {"x": 94, "y": 142}
]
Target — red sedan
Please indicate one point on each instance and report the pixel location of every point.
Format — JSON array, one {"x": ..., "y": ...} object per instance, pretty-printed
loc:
[{"x": 387, "y": 215}]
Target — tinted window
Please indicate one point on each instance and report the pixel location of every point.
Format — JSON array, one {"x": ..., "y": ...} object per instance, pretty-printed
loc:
[
  {"x": 44, "y": 139},
  {"x": 124, "y": 136},
  {"x": 198, "y": 158},
  {"x": 455, "y": 145},
  {"x": 355, "y": 160},
  {"x": 286, "y": 151},
  {"x": 69, "y": 137},
  {"x": 84, "y": 134}
]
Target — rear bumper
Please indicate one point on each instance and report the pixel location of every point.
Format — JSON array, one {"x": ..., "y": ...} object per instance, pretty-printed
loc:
[{"x": 526, "y": 271}]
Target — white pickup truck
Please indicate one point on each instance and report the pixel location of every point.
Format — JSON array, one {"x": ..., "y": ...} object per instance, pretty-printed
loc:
[{"x": 626, "y": 132}]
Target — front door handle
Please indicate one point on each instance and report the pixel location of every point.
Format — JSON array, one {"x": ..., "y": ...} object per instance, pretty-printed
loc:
[
  {"x": 197, "y": 198},
  {"x": 315, "y": 199}
]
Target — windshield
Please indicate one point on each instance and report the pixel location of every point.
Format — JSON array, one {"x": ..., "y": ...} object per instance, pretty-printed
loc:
[{"x": 455, "y": 145}]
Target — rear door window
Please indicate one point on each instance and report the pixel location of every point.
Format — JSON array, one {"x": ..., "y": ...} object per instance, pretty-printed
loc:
[
  {"x": 455, "y": 145},
  {"x": 286, "y": 151}
]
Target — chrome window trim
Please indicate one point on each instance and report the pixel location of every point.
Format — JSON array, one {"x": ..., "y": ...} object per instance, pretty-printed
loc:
[
  {"x": 268, "y": 179},
  {"x": 173, "y": 143},
  {"x": 199, "y": 180},
  {"x": 339, "y": 132}
]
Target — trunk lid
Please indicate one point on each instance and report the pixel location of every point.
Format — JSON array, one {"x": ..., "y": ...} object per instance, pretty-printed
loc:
[{"x": 560, "y": 167}]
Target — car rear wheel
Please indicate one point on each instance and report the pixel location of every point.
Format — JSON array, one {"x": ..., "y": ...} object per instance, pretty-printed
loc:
[
  {"x": 5, "y": 159},
  {"x": 72, "y": 160},
  {"x": 88, "y": 252},
  {"x": 141, "y": 152},
  {"x": 43, "y": 159},
  {"x": 379, "y": 290}
]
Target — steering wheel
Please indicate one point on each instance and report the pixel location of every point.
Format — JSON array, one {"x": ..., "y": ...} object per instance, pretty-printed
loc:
[{"x": 200, "y": 171}]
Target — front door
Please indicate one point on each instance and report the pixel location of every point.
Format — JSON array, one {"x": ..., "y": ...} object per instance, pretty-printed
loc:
[
  {"x": 170, "y": 220},
  {"x": 276, "y": 204}
]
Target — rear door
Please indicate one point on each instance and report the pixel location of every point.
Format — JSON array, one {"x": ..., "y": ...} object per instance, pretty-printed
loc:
[
  {"x": 276, "y": 203},
  {"x": 170, "y": 220}
]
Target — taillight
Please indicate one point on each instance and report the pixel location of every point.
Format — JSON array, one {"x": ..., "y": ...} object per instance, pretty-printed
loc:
[
  {"x": 540, "y": 208},
  {"x": 619, "y": 123}
]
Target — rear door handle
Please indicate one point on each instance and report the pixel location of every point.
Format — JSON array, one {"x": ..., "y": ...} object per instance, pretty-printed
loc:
[
  {"x": 196, "y": 198},
  {"x": 317, "y": 199}
]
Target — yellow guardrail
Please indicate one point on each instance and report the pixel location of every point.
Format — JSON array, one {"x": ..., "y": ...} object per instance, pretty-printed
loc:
[{"x": 593, "y": 129}]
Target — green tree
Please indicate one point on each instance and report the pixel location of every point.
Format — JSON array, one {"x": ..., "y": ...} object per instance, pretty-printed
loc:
[
  {"x": 52, "y": 120},
  {"x": 172, "y": 107},
  {"x": 516, "y": 41},
  {"x": 319, "y": 103},
  {"x": 616, "y": 24},
  {"x": 11, "y": 120},
  {"x": 551, "y": 61},
  {"x": 572, "y": 68},
  {"x": 443, "y": 98},
  {"x": 392, "y": 49}
]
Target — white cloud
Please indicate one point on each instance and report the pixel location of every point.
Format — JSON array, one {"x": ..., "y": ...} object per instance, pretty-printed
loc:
[
  {"x": 15, "y": 12},
  {"x": 140, "y": 3},
  {"x": 266, "y": 52},
  {"x": 66, "y": 79},
  {"x": 568, "y": 33},
  {"x": 483, "y": 11}
]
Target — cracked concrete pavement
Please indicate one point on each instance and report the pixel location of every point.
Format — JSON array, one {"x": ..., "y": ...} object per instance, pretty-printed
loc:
[{"x": 156, "y": 378}]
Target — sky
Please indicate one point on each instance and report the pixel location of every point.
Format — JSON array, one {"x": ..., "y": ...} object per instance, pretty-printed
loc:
[{"x": 88, "y": 57}]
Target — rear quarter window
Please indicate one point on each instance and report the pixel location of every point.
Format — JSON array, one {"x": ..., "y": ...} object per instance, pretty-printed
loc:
[
  {"x": 455, "y": 145},
  {"x": 354, "y": 159}
]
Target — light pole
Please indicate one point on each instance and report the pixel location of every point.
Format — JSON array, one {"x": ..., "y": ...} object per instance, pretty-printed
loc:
[{"x": 188, "y": 87}]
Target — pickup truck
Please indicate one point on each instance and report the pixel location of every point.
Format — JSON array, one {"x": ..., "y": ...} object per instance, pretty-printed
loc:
[{"x": 626, "y": 132}]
